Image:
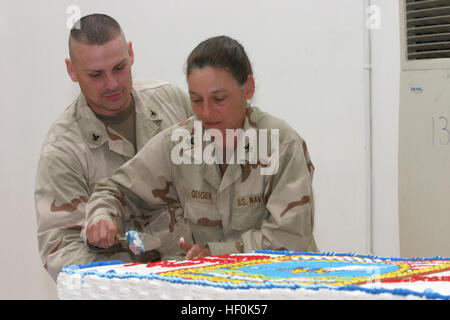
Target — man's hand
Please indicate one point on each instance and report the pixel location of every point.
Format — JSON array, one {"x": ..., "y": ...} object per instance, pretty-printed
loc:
[
  {"x": 102, "y": 234},
  {"x": 194, "y": 251}
]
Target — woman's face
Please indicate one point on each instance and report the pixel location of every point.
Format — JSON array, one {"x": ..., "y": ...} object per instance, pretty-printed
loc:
[{"x": 217, "y": 98}]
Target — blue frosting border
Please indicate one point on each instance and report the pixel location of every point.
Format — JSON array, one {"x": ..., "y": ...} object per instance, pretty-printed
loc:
[
  {"x": 290, "y": 253},
  {"x": 73, "y": 268},
  {"x": 428, "y": 293}
]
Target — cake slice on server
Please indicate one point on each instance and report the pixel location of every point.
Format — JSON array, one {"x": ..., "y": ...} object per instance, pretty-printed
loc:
[
  {"x": 139, "y": 242},
  {"x": 261, "y": 275}
]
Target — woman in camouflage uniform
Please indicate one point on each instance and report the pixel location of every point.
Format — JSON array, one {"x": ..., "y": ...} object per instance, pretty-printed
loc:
[{"x": 230, "y": 205}]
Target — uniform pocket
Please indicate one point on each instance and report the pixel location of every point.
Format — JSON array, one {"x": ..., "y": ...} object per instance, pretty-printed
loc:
[
  {"x": 202, "y": 214},
  {"x": 205, "y": 222},
  {"x": 244, "y": 219}
]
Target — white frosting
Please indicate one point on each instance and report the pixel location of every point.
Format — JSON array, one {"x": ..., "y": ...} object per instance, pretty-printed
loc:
[{"x": 79, "y": 284}]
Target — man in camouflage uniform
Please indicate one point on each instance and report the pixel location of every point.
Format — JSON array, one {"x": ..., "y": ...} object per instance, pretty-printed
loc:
[
  {"x": 112, "y": 119},
  {"x": 241, "y": 211}
]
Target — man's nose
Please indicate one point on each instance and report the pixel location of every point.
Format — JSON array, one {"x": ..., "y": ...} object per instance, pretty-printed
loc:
[{"x": 110, "y": 82}]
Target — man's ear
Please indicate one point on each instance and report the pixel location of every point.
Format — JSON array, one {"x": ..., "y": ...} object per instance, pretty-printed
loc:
[
  {"x": 131, "y": 52},
  {"x": 71, "y": 70}
]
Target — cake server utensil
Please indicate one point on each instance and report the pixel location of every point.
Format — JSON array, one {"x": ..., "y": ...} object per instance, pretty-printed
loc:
[{"x": 139, "y": 242}]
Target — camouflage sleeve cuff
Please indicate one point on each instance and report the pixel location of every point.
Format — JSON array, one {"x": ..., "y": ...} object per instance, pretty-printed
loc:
[
  {"x": 105, "y": 216},
  {"x": 93, "y": 220},
  {"x": 101, "y": 216},
  {"x": 219, "y": 248}
]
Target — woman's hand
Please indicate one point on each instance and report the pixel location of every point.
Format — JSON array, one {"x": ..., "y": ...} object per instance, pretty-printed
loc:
[{"x": 194, "y": 251}]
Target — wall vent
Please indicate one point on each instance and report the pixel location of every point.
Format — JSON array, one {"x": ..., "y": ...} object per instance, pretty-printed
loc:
[{"x": 428, "y": 29}]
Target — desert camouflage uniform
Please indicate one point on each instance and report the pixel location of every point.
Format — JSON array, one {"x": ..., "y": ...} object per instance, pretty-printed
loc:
[
  {"x": 78, "y": 151},
  {"x": 239, "y": 212}
]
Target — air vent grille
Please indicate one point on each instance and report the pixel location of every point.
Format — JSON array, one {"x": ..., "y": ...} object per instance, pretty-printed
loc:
[{"x": 428, "y": 29}]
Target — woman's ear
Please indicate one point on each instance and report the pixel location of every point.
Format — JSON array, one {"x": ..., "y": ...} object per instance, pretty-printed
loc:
[{"x": 249, "y": 87}]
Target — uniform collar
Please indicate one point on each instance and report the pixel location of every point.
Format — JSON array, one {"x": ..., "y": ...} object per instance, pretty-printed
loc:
[
  {"x": 211, "y": 172},
  {"x": 234, "y": 171},
  {"x": 148, "y": 119}
]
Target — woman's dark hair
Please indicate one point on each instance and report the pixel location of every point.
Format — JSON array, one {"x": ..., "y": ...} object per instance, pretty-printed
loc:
[{"x": 221, "y": 52}]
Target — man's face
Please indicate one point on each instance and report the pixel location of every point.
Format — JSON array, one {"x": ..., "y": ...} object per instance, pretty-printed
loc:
[{"x": 103, "y": 73}]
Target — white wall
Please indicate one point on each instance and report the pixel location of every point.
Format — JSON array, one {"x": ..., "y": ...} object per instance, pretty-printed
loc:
[
  {"x": 308, "y": 59},
  {"x": 385, "y": 118}
]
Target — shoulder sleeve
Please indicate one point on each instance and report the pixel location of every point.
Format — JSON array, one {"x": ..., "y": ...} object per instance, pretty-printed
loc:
[
  {"x": 171, "y": 99},
  {"x": 182, "y": 99},
  {"x": 61, "y": 194},
  {"x": 146, "y": 178},
  {"x": 289, "y": 203},
  {"x": 172, "y": 102}
]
